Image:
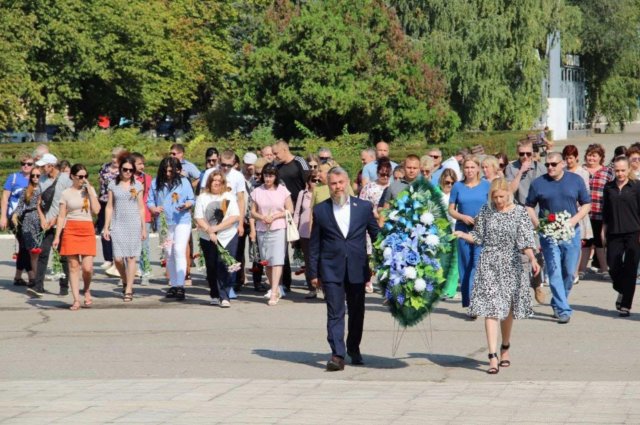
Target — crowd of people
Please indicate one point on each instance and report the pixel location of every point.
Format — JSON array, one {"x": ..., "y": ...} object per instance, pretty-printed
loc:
[{"x": 244, "y": 207}]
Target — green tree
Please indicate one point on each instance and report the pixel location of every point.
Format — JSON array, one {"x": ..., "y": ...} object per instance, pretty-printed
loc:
[
  {"x": 491, "y": 51},
  {"x": 334, "y": 66},
  {"x": 14, "y": 76},
  {"x": 610, "y": 54}
]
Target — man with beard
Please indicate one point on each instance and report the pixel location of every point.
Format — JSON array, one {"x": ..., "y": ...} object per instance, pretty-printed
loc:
[{"x": 339, "y": 264}]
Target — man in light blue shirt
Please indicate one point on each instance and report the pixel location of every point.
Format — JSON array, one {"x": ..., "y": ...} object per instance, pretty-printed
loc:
[
  {"x": 189, "y": 170},
  {"x": 370, "y": 171}
]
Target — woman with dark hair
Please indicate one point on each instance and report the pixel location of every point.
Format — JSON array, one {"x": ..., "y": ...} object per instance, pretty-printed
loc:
[
  {"x": 503, "y": 161},
  {"x": 599, "y": 176},
  {"x": 78, "y": 204},
  {"x": 26, "y": 214},
  {"x": 268, "y": 209},
  {"x": 125, "y": 223},
  {"x": 571, "y": 157},
  {"x": 302, "y": 219},
  {"x": 172, "y": 195},
  {"x": 217, "y": 216}
]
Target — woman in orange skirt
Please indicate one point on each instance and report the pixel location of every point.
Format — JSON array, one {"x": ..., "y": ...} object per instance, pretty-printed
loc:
[{"x": 77, "y": 206}]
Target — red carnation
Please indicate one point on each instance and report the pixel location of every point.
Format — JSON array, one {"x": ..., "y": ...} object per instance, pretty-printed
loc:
[
  {"x": 163, "y": 263},
  {"x": 551, "y": 217},
  {"x": 264, "y": 263},
  {"x": 299, "y": 272},
  {"x": 36, "y": 250},
  {"x": 254, "y": 270},
  {"x": 14, "y": 256}
]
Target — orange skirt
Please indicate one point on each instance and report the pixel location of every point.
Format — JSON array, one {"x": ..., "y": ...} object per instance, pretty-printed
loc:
[{"x": 78, "y": 238}]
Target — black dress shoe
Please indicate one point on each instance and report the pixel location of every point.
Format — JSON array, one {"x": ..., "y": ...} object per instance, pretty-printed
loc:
[
  {"x": 335, "y": 364},
  {"x": 356, "y": 358}
]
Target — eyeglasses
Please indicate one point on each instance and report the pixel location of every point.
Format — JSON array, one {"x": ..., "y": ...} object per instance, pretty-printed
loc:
[
  {"x": 313, "y": 166},
  {"x": 35, "y": 175},
  {"x": 315, "y": 181},
  {"x": 384, "y": 174},
  {"x": 634, "y": 159},
  {"x": 212, "y": 161},
  {"x": 448, "y": 182},
  {"x": 173, "y": 153},
  {"x": 435, "y": 156},
  {"x": 127, "y": 170},
  {"x": 223, "y": 165},
  {"x": 551, "y": 164},
  {"x": 502, "y": 165},
  {"x": 82, "y": 176},
  {"x": 324, "y": 159},
  {"x": 28, "y": 164},
  {"x": 525, "y": 153}
]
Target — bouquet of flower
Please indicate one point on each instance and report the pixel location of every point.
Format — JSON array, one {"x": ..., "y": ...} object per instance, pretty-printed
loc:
[
  {"x": 56, "y": 266},
  {"x": 163, "y": 239},
  {"x": 556, "y": 226},
  {"x": 232, "y": 264},
  {"x": 146, "y": 263},
  {"x": 412, "y": 254}
]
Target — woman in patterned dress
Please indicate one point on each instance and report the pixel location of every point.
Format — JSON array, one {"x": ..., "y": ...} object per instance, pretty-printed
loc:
[
  {"x": 372, "y": 192},
  {"x": 108, "y": 172},
  {"x": 27, "y": 214},
  {"x": 501, "y": 286},
  {"x": 125, "y": 223}
]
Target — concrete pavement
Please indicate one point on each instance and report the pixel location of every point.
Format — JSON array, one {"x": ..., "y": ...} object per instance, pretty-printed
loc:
[{"x": 158, "y": 361}]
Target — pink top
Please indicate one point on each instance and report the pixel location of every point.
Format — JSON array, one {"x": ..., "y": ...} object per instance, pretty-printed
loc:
[
  {"x": 270, "y": 202},
  {"x": 302, "y": 214}
]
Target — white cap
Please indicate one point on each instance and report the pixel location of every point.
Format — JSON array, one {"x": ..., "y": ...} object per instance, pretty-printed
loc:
[
  {"x": 249, "y": 158},
  {"x": 47, "y": 159}
]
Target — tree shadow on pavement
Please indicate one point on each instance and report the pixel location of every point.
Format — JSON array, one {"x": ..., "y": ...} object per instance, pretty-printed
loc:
[
  {"x": 449, "y": 360},
  {"x": 319, "y": 360}
]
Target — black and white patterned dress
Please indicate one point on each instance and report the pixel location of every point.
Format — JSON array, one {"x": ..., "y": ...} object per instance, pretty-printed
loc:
[
  {"x": 126, "y": 227},
  {"x": 501, "y": 282}
]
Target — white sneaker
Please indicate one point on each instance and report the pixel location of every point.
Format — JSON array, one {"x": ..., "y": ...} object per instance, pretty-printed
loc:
[
  {"x": 225, "y": 304},
  {"x": 138, "y": 273},
  {"x": 112, "y": 271},
  {"x": 268, "y": 294},
  {"x": 215, "y": 301},
  {"x": 283, "y": 294},
  {"x": 106, "y": 265}
]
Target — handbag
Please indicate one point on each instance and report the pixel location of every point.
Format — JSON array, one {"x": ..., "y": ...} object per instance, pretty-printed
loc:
[{"x": 292, "y": 230}]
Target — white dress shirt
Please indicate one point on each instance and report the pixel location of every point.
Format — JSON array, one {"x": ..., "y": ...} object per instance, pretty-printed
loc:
[{"x": 343, "y": 216}]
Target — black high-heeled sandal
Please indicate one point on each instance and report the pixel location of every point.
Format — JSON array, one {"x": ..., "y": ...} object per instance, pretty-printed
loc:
[
  {"x": 624, "y": 312},
  {"x": 505, "y": 348},
  {"x": 493, "y": 370}
]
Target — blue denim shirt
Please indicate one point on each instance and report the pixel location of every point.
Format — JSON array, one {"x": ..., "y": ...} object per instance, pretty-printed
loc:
[{"x": 171, "y": 199}]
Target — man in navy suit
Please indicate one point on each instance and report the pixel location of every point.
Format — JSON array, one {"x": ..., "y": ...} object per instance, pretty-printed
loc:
[{"x": 338, "y": 263}]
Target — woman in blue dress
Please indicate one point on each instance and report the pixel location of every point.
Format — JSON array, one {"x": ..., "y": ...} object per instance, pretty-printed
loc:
[{"x": 466, "y": 199}]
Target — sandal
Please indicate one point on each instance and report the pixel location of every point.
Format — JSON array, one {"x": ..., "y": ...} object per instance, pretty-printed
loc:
[
  {"x": 493, "y": 370},
  {"x": 75, "y": 306},
  {"x": 128, "y": 297},
  {"x": 504, "y": 349},
  {"x": 624, "y": 312},
  {"x": 87, "y": 302}
]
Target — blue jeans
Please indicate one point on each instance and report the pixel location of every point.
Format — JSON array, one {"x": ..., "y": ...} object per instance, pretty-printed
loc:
[
  {"x": 468, "y": 255},
  {"x": 561, "y": 260}
]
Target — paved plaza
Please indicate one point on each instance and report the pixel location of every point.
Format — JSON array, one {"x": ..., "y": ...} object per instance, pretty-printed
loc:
[{"x": 159, "y": 361}]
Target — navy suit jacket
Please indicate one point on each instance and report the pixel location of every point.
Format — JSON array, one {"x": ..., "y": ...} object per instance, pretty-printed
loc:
[{"x": 334, "y": 258}]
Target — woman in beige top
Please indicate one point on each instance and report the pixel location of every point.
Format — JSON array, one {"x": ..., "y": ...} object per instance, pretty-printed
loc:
[{"x": 77, "y": 206}]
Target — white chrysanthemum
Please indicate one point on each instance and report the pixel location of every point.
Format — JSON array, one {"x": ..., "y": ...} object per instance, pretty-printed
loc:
[
  {"x": 394, "y": 216},
  {"x": 426, "y": 218},
  {"x": 410, "y": 272},
  {"x": 432, "y": 240},
  {"x": 386, "y": 254},
  {"x": 419, "y": 285}
]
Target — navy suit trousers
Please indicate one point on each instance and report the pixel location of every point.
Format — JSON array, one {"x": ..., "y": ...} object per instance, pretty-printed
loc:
[{"x": 335, "y": 294}]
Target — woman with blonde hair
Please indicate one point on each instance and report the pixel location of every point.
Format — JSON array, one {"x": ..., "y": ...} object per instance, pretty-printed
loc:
[
  {"x": 426, "y": 166},
  {"x": 501, "y": 286},
  {"x": 217, "y": 216},
  {"x": 490, "y": 168},
  {"x": 466, "y": 199}
]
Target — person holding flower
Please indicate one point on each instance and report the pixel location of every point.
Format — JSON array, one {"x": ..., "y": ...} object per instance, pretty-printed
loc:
[
  {"x": 78, "y": 205},
  {"x": 621, "y": 232},
  {"x": 466, "y": 199},
  {"x": 29, "y": 229},
  {"x": 501, "y": 286},
  {"x": 556, "y": 192},
  {"x": 125, "y": 223},
  {"x": 217, "y": 216},
  {"x": 268, "y": 209},
  {"x": 172, "y": 196}
]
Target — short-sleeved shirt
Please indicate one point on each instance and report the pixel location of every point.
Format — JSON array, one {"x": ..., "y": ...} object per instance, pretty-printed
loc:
[
  {"x": 214, "y": 209},
  {"x": 77, "y": 203},
  {"x": 270, "y": 202},
  {"x": 468, "y": 200},
  {"x": 536, "y": 170},
  {"x": 235, "y": 180},
  {"x": 392, "y": 191},
  {"x": 15, "y": 184},
  {"x": 294, "y": 175},
  {"x": 62, "y": 183},
  {"x": 559, "y": 195},
  {"x": 189, "y": 170}
]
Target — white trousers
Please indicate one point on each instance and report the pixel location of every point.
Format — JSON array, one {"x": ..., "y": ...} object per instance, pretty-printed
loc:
[{"x": 177, "y": 253}]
